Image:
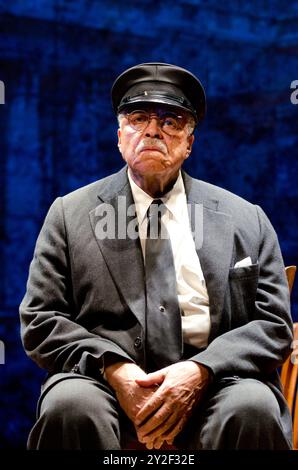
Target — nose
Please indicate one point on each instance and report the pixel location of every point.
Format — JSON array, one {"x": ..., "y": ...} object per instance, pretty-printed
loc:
[{"x": 153, "y": 129}]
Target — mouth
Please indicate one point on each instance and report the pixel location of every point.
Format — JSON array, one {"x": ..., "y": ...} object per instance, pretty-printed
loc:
[{"x": 152, "y": 149}]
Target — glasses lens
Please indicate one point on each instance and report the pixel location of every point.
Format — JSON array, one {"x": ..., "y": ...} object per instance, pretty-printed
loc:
[
  {"x": 168, "y": 121},
  {"x": 138, "y": 119},
  {"x": 171, "y": 123}
]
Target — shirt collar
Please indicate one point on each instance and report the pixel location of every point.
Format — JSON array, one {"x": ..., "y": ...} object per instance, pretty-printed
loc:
[{"x": 174, "y": 200}]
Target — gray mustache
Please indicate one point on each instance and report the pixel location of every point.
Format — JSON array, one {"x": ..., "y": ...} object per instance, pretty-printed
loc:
[{"x": 149, "y": 142}]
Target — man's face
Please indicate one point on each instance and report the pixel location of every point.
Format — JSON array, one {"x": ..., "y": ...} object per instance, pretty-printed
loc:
[{"x": 157, "y": 149}]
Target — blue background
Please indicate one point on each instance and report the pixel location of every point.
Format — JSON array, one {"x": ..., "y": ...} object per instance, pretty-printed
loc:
[{"x": 58, "y": 60}]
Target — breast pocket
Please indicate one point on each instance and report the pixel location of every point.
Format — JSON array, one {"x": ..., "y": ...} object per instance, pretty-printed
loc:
[{"x": 243, "y": 289}]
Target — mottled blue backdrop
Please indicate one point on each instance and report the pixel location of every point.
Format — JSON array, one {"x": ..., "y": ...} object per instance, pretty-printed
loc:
[{"x": 58, "y": 60}]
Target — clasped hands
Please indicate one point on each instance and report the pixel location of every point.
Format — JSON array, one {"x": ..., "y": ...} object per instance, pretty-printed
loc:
[{"x": 159, "y": 403}]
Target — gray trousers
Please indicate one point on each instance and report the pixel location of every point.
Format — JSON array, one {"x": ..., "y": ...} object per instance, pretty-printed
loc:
[{"x": 77, "y": 412}]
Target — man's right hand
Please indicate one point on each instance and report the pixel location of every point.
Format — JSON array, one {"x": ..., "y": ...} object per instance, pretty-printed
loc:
[{"x": 121, "y": 377}]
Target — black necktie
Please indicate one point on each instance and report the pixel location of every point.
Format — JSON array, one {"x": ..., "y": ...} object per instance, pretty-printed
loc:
[{"x": 163, "y": 319}]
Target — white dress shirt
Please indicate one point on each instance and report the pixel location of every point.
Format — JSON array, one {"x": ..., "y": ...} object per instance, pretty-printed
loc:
[{"x": 191, "y": 288}]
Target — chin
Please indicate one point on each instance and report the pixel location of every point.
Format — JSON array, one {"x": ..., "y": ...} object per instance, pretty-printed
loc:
[{"x": 151, "y": 168}]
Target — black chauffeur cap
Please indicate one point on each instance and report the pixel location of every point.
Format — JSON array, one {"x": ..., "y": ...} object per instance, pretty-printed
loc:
[{"x": 156, "y": 82}]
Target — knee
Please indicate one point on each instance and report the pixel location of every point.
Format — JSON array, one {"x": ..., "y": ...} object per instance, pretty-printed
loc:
[
  {"x": 254, "y": 405},
  {"x": 70, "y": 402},
  {"x": 244, "y": 415},
  {"x": 76, "y": 414}
]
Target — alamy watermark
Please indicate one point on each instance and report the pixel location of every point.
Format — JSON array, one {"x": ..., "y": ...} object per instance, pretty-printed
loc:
[
  {"x": 2, "y": 353},
  {"x": 294, "y": 94},
  {"x": 2, "y": 92},
  {"x": 121, "y": 222}
]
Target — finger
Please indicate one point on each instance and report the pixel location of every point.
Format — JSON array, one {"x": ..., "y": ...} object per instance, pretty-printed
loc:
[
  {"x": 158, "y": 443},
  {"x": 149, "y": 445},
  {"x": 158, "y": 423},
  {"x": 169, "y": 435},
  {"x": 162, "y": 432},
  {"x": 151, "y": 379},
  {"x": 151, "y": 407},
  {"x": 155, "y": 444},
  {"x": 176, "y": 429}
]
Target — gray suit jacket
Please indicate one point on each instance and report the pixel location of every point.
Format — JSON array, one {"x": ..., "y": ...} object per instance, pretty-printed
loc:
[{"x": 86, "y": 296}]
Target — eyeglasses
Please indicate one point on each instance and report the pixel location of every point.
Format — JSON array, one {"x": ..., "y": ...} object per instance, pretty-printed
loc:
[{"x": 169, "y": 122}]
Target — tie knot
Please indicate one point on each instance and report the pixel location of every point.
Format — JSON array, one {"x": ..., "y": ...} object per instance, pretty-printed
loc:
[
  {"x": 156, "y": 207},
  {"x": 154, "y": 214},
  {"x": 157, "y": 201}
]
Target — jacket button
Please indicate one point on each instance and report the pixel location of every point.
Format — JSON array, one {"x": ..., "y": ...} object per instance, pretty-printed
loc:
[{"x": 138, "y": 342}]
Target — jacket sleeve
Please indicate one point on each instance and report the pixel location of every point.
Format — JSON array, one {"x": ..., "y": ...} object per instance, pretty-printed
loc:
[
  {"x": 49, "y": 334},
  {"x": 262, "y": 344}
]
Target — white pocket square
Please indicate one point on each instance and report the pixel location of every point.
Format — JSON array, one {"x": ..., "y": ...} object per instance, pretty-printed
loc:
[{"x": 244, "y": 262}]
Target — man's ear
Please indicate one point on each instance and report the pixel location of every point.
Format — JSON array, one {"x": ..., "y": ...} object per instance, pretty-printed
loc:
[
  {"x": 119, "y": 139},
  {"x": 191, "y": 139}
]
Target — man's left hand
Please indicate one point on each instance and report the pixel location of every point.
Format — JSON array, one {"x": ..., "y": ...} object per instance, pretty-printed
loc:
[{"x": 164, "y": 415}]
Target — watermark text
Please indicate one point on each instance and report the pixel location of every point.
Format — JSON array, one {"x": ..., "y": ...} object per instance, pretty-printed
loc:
[
  {"x": 294, "y": 94},
  {"x": 2, "y": 353},
  {"x": 2, "y": 92},
  {"x": 121, "y": 222}
]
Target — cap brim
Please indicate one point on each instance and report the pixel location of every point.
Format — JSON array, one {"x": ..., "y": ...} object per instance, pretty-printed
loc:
[{"x": 158, "y": 99}]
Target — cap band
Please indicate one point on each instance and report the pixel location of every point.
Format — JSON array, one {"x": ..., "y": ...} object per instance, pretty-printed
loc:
[{"x": 171, "y": 100}]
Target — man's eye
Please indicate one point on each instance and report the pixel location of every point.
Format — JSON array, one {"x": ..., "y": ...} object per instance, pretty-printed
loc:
[
  {"x": 138, "y": 118},
  {"x": 170, "y": 122}
]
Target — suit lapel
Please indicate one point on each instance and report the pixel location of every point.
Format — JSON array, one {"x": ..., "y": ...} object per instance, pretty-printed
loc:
[
  {"x": 215, "y": 251},
  {"x": 122, "y": 254}
]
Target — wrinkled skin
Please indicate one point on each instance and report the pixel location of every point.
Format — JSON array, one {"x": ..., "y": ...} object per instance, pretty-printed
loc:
[{"x": 159, "y": 404}]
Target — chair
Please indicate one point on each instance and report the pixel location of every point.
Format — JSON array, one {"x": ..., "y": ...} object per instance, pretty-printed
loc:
[
  {"x": 289, "y": 370},
  {"x": 290, "y": 272}
]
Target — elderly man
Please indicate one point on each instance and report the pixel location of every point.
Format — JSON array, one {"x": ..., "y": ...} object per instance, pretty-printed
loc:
[{"x": 168, "y": 315}]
